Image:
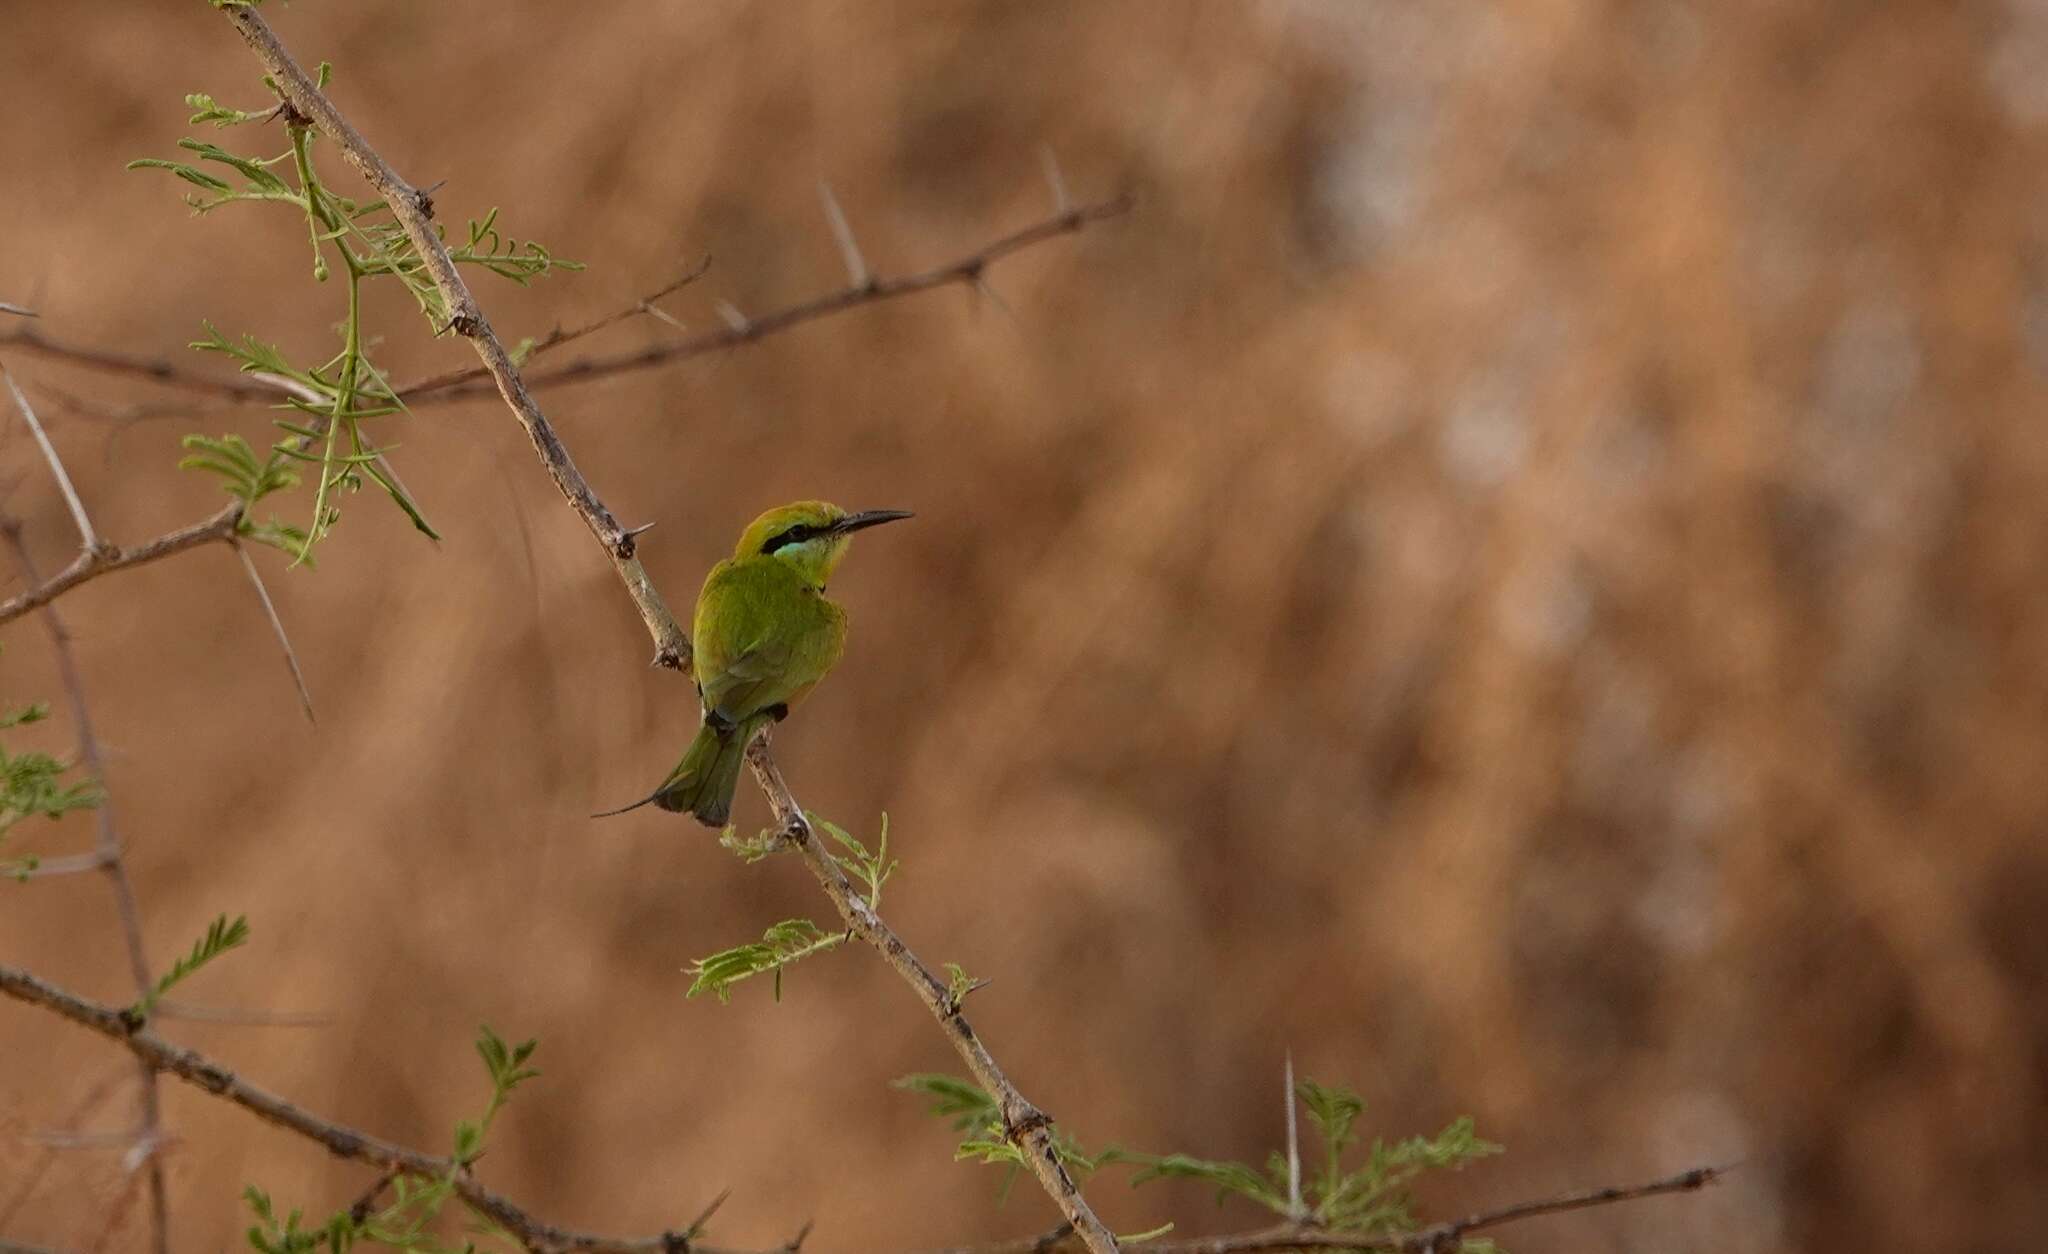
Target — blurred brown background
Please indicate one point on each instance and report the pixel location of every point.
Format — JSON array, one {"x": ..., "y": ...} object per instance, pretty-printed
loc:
[{"x": 1516, "y": 573}]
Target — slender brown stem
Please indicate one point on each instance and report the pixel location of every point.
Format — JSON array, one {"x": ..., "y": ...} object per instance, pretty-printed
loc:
[
  {"x": 446, "y": 386},
  {"x": 107, "y": 845},
  {"x": 1026, "y": 1126},
  {"x": 1440, "y": 1238},
  {"x": 90, "y": 564},
  {"x": 155, "y": 1055},
  {"x": 87, "y": 535},
  {"x": 154, "y": 369},
  {"x": 970, "y": 269},
  {"x": 284, "y": 641}
]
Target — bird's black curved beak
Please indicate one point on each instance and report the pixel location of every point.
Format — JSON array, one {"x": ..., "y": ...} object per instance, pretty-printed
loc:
[{"x": 868, "y": 518}]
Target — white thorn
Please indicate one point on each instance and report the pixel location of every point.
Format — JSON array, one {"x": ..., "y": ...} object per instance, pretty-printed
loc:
[
  {"x": 856, "y": 265},
  {"x": 90, "y": 537},
  {"x": 1294, "y": 1207},
  {"x": 657, "y": 312},
  {"x": 733, "y": 317},
  {"x": 291, "y": 656},
  {"x": 1054, "y": 180}
]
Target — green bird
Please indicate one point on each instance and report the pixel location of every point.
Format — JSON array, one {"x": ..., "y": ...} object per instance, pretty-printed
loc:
[{"x": 764, "y": 635}]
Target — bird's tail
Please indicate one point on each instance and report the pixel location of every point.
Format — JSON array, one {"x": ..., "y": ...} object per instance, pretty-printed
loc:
[{"x": 704, "y": 781}]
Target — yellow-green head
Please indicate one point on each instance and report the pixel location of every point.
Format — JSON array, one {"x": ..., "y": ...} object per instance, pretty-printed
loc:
[{"x": 809, "y": 535}]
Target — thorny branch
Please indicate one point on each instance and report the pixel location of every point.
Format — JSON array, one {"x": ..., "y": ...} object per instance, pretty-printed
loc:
[
  {"x": 158, "y": 1055},
  {"x": 1443, "y": 1238},
  {"x": 1028, "y": 1127},
  {"x": 154, "y": 369},
  {"x": 92, "y": 563},
  {"x": 1025, "y": 1123},
  {"x": 107, "y": 852},
  {"x": 413, "y": 210},
  {"x": 971, "y": 268},
  {"x": 672, "y": 648},
  {"x": 474, "y": 380}
]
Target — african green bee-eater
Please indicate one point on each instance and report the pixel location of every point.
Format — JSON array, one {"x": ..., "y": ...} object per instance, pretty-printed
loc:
[{"x": 765, "y": 634}]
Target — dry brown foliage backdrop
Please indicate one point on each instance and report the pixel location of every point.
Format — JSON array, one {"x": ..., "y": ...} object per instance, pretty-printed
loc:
[{"x": 1517, "y": 573}]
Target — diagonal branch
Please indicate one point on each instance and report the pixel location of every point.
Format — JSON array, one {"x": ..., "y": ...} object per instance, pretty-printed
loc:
[
  {"x": 291, "y": 655},
  {"x": 1026, "y": 1124},
  {"x": 158, "y": 1055},
  {"x": 87, "y": 535},
  {"x": 413, "y": 210}
]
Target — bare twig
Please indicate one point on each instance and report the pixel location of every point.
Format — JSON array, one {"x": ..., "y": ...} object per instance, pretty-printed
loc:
[
  {"x": 1025, "y": 1125},
  {"x": 156, "y": 370},
  {"x": 87, "y": 535},
  {"x": 170, "y": 1008},
  {"x": 740, "y": 329},
  {"x": 1295, "y": 1210},
  {"x": 73, "y": 1140},
  {"x": 425, "y": 388},
  {"x": 291, "y": 657},
  {"x": 108, "y": 558},
  {"x": 158, "y": 1055},
  {"x": 121, "y": 417},
  {"x": 90, "y": 1103},
  {"x": 1443, "y": 1238},
  {"x": 108, "y": 846},
  {"x": 72, "y": 864}
]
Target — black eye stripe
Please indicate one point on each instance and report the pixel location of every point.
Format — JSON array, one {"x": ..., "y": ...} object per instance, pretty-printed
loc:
[{"x": 795, "y": 535}]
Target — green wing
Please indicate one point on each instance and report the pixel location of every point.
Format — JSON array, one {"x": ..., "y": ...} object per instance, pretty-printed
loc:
[{"x": 762, "y": 638}]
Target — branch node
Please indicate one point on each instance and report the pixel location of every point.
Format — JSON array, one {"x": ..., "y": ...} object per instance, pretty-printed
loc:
[
  {"x": 696, "y": 1227},
  {"x": 361, "y": 1208},
  {"x": 625, "y": 544},
  {"x": 1051, "y": 1240},
  {"x": 1020, "y": 1125}
]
